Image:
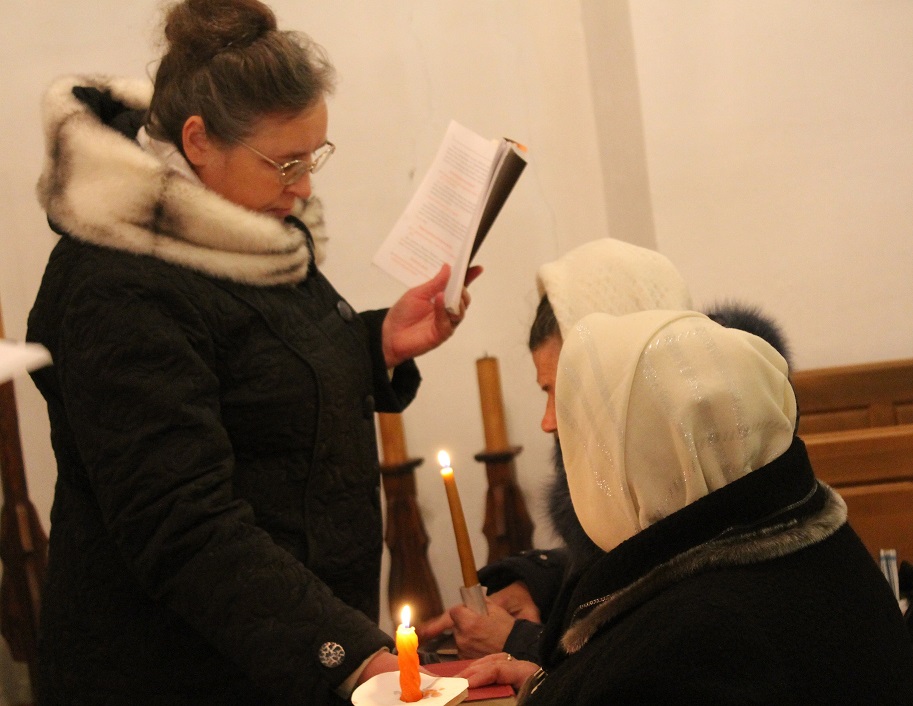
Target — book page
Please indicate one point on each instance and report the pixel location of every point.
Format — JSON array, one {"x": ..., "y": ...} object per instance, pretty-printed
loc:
[{"x": 435, "y": 225}]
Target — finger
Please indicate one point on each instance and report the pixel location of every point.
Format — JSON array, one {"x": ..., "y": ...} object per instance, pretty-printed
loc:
[
  {"x": 482, "y": 665},
  {"x": 434, "y": 285},
  {"x": 488, "y": 670},
  {"x": 434, "y": 626},
  {"x": 517, "y": 608},
  {"x": 444, "y": 321},
  {"x": 472, "y": 274},
  {"x": 492, "y": 659},
  {"x": 481, "y": 675},
  {"x": 495, "y": 605},
  {"x": 456, "y": 615},
  {"x": 461, "y": 616},
  {"x": 465, "y": 300},
  {"x": 457, "y": 318}
]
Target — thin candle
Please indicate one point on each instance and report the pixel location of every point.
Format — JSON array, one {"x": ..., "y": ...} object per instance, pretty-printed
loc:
[
  {"x": 464, "y": 548},
  {"x": 407, "y": 654}
]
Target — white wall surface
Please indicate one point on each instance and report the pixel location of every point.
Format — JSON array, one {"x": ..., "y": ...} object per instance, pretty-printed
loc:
[
  {"x": 764, "y": 147},
  {"x": 780, "y": 155}
]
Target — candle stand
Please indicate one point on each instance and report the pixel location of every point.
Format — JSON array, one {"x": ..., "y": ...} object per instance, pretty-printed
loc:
[
  {"x": 411, "y": 578},
  {"x": 507, "y": 527}
]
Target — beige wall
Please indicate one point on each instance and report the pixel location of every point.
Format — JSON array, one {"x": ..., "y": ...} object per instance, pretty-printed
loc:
[
  {"x": 764, "y": 147},
  {"x": 780, "y": 156}
]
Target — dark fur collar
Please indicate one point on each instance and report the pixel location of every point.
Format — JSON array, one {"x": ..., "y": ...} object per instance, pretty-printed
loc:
[{"x": 772, "y": 512}]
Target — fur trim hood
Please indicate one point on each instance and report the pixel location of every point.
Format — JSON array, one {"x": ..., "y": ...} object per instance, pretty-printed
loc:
[
  {"x": 750, "y": 318},
  {"x": 102, "y": 188}
]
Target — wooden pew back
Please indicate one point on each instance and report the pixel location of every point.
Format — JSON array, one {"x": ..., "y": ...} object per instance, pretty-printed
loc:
[
  {"x": 855, "y": 396},
  {"x": 857, "y": 422}
]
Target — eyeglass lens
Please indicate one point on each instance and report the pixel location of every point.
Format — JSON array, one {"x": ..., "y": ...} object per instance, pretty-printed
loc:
[{"x": 293, "y": 173}]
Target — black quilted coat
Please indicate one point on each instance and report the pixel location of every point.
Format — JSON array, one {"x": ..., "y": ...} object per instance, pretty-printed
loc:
[{"x": 216, "y": 528}]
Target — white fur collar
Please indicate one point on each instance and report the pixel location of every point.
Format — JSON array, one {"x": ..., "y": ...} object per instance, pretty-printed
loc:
[{"x": 103, "y": 188}]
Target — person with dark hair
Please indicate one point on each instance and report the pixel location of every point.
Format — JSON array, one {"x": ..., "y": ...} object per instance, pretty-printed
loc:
[
  {"x": 216, "y": 527},
  {"x": 728, "y": 572},
  {"x": 604, "y": 275},
  {"x": 607, "y": 276}
]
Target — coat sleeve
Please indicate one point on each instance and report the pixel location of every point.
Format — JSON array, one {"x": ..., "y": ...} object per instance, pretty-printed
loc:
[
  {"x": 523, "y": 641},
  {"x": 542, "y": 570},
  {"x": 136, "y": 372},
  {"x": 391, "y": 394}
]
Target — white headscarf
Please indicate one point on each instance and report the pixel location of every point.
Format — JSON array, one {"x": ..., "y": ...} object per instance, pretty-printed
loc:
[
  {"x": 659, "y": 408},
  {"x": 613, "y": 277}
]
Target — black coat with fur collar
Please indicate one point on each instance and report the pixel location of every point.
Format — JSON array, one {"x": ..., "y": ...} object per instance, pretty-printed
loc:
[
  {"x": 758, "y": 593},
  {"x": 216, "y": 528}
]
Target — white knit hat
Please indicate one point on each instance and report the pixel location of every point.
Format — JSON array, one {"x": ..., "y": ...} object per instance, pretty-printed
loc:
[
  {"x": 659, "y": 408},
  {"x": 612, "y": 277}
]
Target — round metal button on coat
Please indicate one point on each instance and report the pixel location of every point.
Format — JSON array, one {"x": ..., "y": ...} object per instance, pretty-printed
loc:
[{"x": 345, "y": 311}]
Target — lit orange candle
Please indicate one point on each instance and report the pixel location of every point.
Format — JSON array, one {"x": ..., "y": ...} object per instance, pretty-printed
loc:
[
  {"x": 492, "y": 404},
  {"x": 410, "y": 681},
  {"x": 464, "y": 548}
]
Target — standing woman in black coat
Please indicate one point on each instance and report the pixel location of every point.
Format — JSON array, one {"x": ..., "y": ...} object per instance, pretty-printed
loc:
[{"x": 216, "y": 527}]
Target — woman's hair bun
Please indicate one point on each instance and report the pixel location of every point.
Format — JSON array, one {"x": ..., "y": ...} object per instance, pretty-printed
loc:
[
  {"x": 200, "y": 29},
  {"x": 227, "y": 62}
]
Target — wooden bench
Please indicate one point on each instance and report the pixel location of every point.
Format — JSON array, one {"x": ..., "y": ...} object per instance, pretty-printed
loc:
[{"x": 857, "y": 422}]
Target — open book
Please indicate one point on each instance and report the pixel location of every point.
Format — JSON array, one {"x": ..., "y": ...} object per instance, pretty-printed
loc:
[{"x": 452, "y": 210}]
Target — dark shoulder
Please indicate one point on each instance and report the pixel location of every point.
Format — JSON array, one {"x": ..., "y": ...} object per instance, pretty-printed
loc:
[
  {"x": 86, "y": 271},
  {"x": 85, "y": 285}
]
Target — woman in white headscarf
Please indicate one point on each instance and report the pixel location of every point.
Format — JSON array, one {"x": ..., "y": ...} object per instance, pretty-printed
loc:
[
  {"x": 730, "y": 574},
  {"x": 603, "y": 275}
]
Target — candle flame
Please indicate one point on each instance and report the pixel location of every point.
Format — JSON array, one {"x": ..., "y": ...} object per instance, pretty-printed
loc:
[
  {"x": 405, "y": 616},
  {"x": 443, "y": 458}
]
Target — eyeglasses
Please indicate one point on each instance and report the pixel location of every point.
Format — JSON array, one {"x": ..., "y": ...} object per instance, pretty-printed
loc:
[{"x": 291, "y": 172}]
